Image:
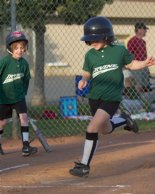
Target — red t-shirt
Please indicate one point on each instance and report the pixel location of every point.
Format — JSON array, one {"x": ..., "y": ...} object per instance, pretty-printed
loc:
[{"x": 137, "y": 46}]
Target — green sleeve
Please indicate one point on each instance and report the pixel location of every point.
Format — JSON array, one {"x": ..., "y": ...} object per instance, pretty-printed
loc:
[
  {"x": 87, "y": 64},
  {"x": 128, "y": 57}
]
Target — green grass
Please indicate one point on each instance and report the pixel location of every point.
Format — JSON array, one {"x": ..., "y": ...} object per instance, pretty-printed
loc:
[
  {"x": 146, "y": 125},
  {"x": 54, "y": 127},
  {"x": 64, "y": 127}
]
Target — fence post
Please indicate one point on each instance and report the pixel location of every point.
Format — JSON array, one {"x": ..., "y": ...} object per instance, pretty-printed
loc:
[
  {"x": 13, "y": 15},
  {"x": 13, "y": 28}
]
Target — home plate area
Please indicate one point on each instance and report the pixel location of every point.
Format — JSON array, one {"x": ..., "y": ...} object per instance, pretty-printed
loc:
[{"x": 123, "y": 164}]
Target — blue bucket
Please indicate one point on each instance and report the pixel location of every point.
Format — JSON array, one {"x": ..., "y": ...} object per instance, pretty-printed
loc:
[{"x": 68, "y": 106}]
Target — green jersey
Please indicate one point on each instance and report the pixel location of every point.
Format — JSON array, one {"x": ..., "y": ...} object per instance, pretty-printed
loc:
[
  {"x": 14, "y": 79},
  {"x": 106, "y": 68}
]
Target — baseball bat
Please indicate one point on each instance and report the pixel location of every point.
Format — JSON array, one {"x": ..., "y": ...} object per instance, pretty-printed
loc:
[{"x": 40, "y": 136}]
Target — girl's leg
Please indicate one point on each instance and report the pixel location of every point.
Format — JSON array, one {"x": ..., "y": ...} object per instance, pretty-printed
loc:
[
  {"x": 24, "y": 126},
  {"x": 27, "y": 149},
  {"x": 21, "y": 109},
  {"x": 91, "y": 142},
  {"x": 2, "y": 125}
]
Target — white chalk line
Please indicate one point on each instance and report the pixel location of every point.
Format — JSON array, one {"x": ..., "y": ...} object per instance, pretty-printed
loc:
[
  {"x": 55, "y": 183},
  {"x": 70, "y": 185},
  {"x": 13, "y": 167}
]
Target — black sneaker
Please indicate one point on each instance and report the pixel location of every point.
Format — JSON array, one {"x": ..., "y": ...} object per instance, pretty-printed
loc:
[
  {"x": 131, "y": 124},
  {"x": 1, "y": 150},
  {"x": 27, "y": 149},
  {"x": 80, "y": 170}
]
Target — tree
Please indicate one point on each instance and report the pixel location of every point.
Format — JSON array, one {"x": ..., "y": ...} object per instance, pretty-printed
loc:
[
  {"x": 5, "y": 16},
  {"x": 78, "y": 11},
  {"x": 35, "y": 14}
]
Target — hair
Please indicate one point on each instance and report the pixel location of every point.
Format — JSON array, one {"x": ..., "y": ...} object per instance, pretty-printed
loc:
[
  {"x": 136, "y": 30},
  {"x": 21, "y": 42}
]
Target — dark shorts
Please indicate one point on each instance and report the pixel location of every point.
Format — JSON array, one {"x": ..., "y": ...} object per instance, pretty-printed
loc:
[
  {"x": 6, "y": 109},
  {"x": 109, "y": 107}
]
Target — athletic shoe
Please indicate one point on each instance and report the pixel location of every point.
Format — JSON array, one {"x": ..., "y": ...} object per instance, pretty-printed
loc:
[
  {"x": 80, "y": 170},
  {"x": 27, "y": 149},
  {"x": 131, "y": 124},
  {"x": 1, "y": 150}
]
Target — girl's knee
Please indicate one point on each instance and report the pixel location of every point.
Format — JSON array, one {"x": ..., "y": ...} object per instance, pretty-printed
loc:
[
  {"x": 23, "y": 119},
  {"x": 92, "y": 129}
]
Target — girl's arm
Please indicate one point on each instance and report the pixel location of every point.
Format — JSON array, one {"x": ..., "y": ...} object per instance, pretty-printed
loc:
[
  {"x": 136, "y": 65},
  {"x": 83, "y": 82}
]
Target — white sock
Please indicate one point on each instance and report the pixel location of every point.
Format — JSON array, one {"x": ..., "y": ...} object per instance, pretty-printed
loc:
[
  {"x": 25, "y": 136},
  {"x": 117, "y": 120},
  {"x": 89, "y": 150}
]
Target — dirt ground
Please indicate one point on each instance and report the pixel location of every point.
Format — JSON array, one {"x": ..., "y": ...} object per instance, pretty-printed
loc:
[{"x": 123, "y": 164}]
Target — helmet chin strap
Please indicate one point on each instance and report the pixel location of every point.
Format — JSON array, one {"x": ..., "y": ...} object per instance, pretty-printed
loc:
[{"x": 9, "y": 51}]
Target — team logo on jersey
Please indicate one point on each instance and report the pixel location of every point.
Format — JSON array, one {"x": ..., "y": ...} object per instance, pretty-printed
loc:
[
  {"x": 105, "y": 68},
  {"x": 13, "y": 77}
]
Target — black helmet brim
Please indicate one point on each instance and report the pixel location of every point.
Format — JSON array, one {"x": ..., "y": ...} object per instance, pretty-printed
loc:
[
  {"x": 16, "y": 40},
  {"x": 91, "y": 37}
]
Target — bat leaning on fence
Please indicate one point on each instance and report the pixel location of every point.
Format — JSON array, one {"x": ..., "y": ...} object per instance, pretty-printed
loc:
[{"x": 40, "y": 136}]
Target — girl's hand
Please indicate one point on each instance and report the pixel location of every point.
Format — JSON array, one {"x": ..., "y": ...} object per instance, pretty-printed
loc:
[
  {"x": 150, "y": 61},
  {"x": 82, "y": 84}
]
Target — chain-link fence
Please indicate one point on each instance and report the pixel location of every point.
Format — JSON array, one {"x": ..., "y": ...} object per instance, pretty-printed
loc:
[{"x": 56, "y": 57}]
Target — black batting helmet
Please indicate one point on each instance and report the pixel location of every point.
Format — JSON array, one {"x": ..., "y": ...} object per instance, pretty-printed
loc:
[
  {"x": 15, "y": 36},
  {"x": 97, "y": 28}
]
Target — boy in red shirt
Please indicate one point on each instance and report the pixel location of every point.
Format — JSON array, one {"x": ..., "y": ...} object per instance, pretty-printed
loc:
[{"x": 137, "y": 46}]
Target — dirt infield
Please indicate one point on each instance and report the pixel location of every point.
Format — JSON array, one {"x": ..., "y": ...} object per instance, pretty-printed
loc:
[{"x": 124, "y": 164}]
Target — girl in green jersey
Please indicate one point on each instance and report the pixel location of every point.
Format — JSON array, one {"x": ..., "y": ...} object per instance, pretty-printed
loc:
[
  {"x": 104, "y": 64},
  {"x": 14, "y": 81}
]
